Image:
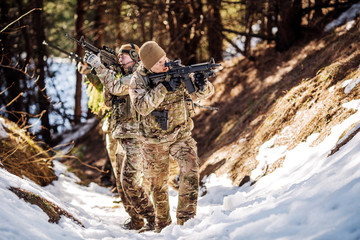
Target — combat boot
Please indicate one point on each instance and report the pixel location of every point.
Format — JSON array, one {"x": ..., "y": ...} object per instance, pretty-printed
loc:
[
  {"x": 134, "y": 224},
  {"x": 161, "y": 225},
  {"x": 150, "y": 226}
]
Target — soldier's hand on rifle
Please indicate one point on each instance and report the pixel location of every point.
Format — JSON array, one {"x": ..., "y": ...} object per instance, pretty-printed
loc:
[
  {"x": 92, "y": 59},
  {"x": 173, "y": 84},
  {"x": 83, "y": 68},
  {"x": 199, "y": 81}
]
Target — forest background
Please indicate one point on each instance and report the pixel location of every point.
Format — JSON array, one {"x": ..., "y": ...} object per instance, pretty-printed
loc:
[{"x": 190, "y": 30}]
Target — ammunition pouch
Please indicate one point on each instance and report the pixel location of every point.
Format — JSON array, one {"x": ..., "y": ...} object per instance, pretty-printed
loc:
[
  {"x": 162, "y": 118},
  {"x": 121, "y": 108}
]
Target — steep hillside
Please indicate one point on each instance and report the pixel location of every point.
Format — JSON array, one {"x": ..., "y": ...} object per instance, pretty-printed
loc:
[
  {"x": 21, "y": 155},
  {"x": 284, "y": 96}
]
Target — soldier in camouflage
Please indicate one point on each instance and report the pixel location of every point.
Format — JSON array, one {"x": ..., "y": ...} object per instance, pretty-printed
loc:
[
  {"x": 125, "y": 129},
  {"x": 160, "y": 144},
  {"x": 100, "y": 104}
]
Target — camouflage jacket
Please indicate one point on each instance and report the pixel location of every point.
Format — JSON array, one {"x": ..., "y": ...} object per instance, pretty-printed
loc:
[
  {"x": 179, "y": 106},
  {"x": 123, "y": 122}
]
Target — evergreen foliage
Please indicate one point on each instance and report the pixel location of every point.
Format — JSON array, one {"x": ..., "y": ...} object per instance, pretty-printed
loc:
[{"x": 96, "y": 97}]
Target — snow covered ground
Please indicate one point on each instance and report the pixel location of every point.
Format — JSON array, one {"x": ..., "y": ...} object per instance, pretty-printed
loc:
[
  {"x": 313, "y": 196},
  {"x": 345, "y": 18}
]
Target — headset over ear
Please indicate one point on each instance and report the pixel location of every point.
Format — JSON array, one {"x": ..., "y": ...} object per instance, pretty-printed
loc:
[{"x": 132, "y": 53}]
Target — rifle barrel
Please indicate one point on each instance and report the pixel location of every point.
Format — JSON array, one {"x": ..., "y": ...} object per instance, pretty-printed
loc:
[
  {"x": 70, "y": 54},
  {"x": 56, "y": 47}
]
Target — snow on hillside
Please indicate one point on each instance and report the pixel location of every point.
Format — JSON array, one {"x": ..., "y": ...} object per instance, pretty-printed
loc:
[
  {"x": 313, "y": 196},
  {"x": 345, "y": 18}
]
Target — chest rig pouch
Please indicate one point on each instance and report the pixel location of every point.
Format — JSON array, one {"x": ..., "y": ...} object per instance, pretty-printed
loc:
[
  {"x": 121, "y": 108},
  {"x": 162, "y": 118}
]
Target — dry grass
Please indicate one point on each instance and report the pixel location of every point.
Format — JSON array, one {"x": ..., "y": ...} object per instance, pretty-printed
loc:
[
  {"x": 22, "y": 156},
  {"x": 88, "y": 158}
]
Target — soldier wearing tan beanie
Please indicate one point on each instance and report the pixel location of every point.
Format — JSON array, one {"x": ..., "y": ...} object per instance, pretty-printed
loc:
[
  {"x": 165, "y": 110},
  {"x": 150, "y": 54}
]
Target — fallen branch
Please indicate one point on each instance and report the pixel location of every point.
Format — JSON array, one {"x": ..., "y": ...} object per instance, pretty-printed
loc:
[{"x": 52, "y": 210}]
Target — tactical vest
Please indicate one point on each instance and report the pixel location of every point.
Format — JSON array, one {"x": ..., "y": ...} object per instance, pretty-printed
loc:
[
  {"x": 178, "y": 109},
  {"x": 121, "y": 108}
]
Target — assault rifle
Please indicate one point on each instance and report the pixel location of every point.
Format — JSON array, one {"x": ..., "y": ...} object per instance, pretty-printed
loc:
[
  {"x": 107, "y": 55},
  {"x": 177, "y": 70},
  {"x": 70, "y": 54}
]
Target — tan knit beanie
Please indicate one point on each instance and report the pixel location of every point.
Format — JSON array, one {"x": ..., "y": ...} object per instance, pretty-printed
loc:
[{"x": 150, "y": 54}]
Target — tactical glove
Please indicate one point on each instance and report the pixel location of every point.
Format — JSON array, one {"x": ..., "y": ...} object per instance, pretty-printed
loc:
[
  {"x": 173, "y": 84},
  {"x": 200, "y": 80},
  {"x": 83, "y": 68},
  {"x": 92, "y": 59}
]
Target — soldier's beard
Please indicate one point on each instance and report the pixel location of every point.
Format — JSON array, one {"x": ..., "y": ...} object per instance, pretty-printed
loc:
[{"x": 129, "y": 67}]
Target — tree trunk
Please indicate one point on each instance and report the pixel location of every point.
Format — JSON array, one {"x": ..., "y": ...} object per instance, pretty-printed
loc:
[
  {"x": 118, "y": 22},
  {"x": 79, "y": 25},
  {"x": 185, "y": 27},
  {"x": 318, "y": 11},
  {"x": 99, "y": 24},
  {"x": 214, "y": 27},
  {"x": 271, "y": 20},
  {"x": 249, "y": 20},
  {"x": 142, "y": 24},
  {"x": 9, "y": 77},
  {"x": 289, "y": 28},
  {"x": 99, "y": 27},
  {"x": 43, "y": 100}
]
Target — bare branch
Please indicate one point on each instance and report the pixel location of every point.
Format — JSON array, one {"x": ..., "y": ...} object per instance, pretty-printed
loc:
[
  {"x": 20, "y": 94},
  {"x": 181, "y": 34},
  {"x": 7, "y": 88},
  {"x": 234, "y": 45},
  {"x": 25, "y": 72},
  {"x": 248, "y": 34},
  {"x": 34, "y": 9}
]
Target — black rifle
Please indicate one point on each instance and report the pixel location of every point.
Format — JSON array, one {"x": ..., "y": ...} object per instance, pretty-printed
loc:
[
  {"x": 107, "y": 55},
  {"x": 177, "y": 70},
  {"x": 162, "y": 118},
  {"x": 70, "y": 54}
]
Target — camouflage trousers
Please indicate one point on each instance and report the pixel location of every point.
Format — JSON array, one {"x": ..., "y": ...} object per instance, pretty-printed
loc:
[
  {"x": 156, "y": 170},
  {"x": 127, "y": 165},
  {"x": 132, "y": 178}
]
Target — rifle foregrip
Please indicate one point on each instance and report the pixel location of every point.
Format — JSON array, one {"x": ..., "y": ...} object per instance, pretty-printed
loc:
[{"x": 189, "y": 85}]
